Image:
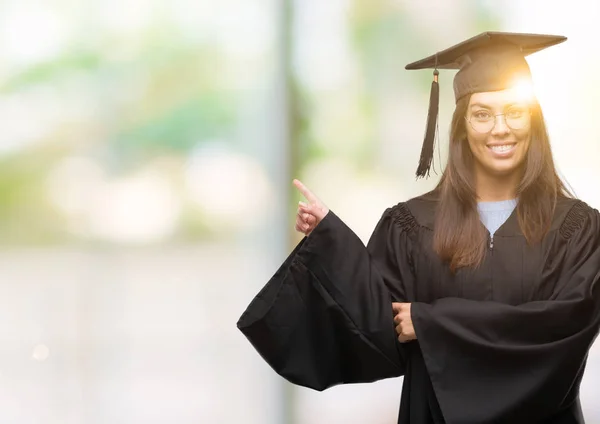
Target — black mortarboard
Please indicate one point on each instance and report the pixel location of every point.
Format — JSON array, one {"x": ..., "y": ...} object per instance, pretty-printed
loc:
[{"x": 490, "y": 61}]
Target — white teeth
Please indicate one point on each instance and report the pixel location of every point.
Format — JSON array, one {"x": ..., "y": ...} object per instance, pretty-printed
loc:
[{"x": 502, "y": 148}]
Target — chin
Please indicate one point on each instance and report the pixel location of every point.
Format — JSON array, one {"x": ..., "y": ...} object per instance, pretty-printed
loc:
[{"x": 502, "y": 170}]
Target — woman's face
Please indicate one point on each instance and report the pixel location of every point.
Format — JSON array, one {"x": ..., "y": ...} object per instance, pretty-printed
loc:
[{"x": 498, "y": 131}]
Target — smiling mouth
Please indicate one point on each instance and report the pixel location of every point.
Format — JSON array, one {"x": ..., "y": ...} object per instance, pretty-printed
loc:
[{"x": 502, "y": 148}]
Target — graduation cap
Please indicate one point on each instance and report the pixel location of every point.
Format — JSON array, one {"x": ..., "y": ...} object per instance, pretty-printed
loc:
[{"x": 490, "y": 61}]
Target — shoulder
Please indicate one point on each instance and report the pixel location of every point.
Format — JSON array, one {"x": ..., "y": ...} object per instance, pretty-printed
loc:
[
  {"x": 415, "y": 213},
  {"x": 573, "y": 217}
]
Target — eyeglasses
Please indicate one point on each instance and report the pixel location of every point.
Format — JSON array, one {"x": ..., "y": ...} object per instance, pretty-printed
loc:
[{"x": 516, "y": 118}]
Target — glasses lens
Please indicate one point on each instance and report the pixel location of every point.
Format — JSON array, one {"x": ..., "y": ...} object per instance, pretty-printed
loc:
[
  {"x": 482, "y": 126},
  {"x": 482, "y": 121},
  {"x": 517, "y": 117}
]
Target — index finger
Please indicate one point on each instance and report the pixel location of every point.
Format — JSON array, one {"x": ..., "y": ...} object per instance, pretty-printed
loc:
[
  {"x": 396, "y": 307},
  {"x": 305, "y": 191}
]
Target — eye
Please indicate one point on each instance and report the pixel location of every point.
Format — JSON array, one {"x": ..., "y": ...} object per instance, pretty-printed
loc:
[
  {"x": 515, "y": 113},
  {"x": 482, "y": 115}
]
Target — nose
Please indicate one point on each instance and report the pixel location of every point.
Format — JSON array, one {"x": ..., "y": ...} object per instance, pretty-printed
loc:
[{"x": 500, "y": 127}]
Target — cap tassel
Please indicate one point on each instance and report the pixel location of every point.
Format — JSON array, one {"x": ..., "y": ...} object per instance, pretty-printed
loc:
[{"x": 430, "y": 132}]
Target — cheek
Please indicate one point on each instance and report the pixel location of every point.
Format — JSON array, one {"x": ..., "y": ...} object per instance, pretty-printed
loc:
[
  {"x": 524, "y": 138},
  {"x": 476, "y": 141}
]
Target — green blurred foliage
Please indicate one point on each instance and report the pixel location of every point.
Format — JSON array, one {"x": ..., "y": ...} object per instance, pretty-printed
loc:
[{"x": 163, "y": 94}]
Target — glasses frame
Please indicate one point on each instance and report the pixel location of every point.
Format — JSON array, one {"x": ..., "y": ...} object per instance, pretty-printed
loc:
[{"x": 496, "y": 122}]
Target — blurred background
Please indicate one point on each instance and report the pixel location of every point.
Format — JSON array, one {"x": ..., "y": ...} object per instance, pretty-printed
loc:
[{"x": 146, "y": 158}]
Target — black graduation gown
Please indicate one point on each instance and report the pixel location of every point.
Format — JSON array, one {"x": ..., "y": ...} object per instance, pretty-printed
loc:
[{"x": 504, "y": 343}]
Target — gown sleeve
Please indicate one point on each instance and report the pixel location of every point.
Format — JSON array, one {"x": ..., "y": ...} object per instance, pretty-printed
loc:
[
  {"x": 493, "y": 362},
  {"x": 325, "y": 317}
]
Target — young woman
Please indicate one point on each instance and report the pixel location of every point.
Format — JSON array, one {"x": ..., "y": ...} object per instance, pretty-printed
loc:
[{"x": 483, "y": 293}]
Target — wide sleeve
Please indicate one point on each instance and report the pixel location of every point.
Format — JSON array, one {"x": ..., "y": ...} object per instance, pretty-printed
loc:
[
  {"x": 493, "y": 362},
  {"x": 325, "y": 317}
]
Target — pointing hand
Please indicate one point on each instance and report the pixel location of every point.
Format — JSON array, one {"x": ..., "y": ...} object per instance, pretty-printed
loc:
[{"x": 311, "y": 213}]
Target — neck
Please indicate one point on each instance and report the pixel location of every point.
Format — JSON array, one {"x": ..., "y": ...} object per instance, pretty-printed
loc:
[{"x": 493, "y": 188}]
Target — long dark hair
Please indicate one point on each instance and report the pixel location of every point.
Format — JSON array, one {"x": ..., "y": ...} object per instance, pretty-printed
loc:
[{"x": 459, "y": 237}]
